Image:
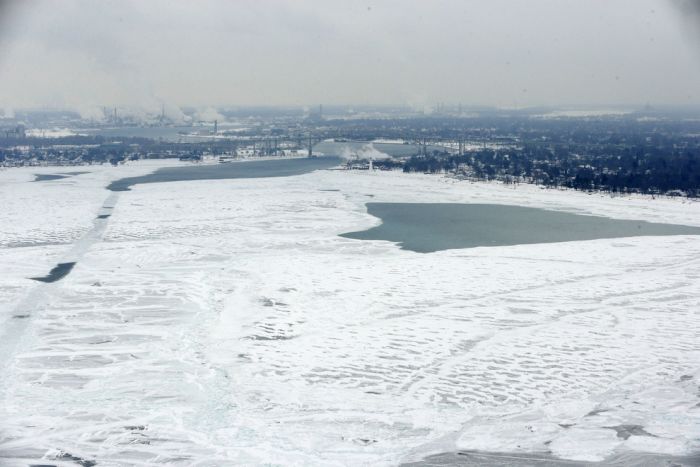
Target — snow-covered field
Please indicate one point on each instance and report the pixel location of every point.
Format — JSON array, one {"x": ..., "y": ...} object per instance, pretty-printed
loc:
[{"x": 225, "y": 323}]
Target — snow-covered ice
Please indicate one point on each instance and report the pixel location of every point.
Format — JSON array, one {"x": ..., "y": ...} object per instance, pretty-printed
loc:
[{"x": 225, "y": 322}]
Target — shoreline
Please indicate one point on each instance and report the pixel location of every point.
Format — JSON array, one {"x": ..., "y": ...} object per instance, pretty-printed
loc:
[{"x": 172, "y": 162}]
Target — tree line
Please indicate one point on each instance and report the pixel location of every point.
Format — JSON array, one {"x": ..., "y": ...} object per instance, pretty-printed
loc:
[{"x": 649, "y": 170}]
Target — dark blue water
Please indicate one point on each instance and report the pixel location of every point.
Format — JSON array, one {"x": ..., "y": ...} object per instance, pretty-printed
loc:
[
  {"x": 429, "y": 227},
  {"x": 248, "y": 169},
  {"x": 60, "y": 271},
  {"x": 48, "y": 177}
]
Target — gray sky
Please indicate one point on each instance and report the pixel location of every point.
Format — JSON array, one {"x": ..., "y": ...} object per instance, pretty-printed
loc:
[{"x": 85, "y": 54}]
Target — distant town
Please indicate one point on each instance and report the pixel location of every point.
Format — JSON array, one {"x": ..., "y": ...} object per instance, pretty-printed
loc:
[{"x": 648, "y": 151}]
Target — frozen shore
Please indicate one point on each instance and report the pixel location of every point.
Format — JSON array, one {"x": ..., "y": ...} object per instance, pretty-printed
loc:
[{"x": 225, "y": 322}]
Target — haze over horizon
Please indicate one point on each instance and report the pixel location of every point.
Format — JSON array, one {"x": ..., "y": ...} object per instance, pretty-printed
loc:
[{"x": 83, "y": 55}]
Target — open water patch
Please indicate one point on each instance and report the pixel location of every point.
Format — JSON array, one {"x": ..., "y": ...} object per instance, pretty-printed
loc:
[
  {"x": 246, "y": 169},
  {"x": 430, "y": 227},
  {"x": 59, "y": 176},
  {"x": 48, "y": 177},
  {"x": 59, "y": 271}
]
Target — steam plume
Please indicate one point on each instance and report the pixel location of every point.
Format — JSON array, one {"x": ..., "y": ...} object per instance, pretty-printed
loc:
[{"x": 365, "y": 152}]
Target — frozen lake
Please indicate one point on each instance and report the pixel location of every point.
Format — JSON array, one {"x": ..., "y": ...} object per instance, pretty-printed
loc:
[
  {"x": 429, "y": 227},
  {"x": 227, "y": 322}
]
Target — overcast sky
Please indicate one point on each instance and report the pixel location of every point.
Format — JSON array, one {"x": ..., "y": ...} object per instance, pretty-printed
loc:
[{"x": 84, "y": 54}]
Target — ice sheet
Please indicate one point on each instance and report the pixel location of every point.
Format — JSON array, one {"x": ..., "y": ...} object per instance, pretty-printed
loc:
[{"x": 225, "y": 323}]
